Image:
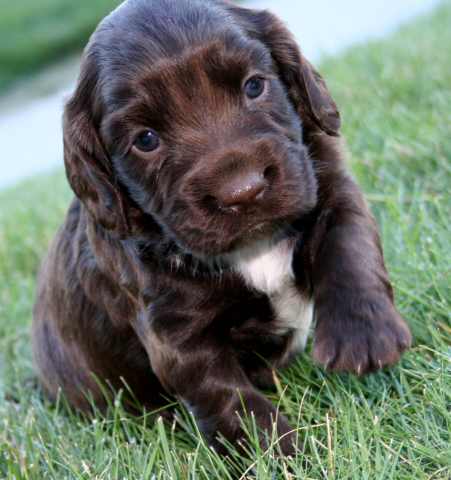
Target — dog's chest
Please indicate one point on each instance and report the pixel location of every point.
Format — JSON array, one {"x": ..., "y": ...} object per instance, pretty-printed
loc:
[{"x": 267, "y": 268}]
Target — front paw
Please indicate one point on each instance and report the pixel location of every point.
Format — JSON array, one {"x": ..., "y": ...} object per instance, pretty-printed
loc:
[{"x": 360, "y": 339}]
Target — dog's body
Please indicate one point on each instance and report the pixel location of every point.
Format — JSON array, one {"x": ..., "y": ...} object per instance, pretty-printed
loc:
[{"x": 213, "y": 218}]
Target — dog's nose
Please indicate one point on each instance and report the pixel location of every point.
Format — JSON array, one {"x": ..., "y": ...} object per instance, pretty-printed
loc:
[{"x": 243, "y": 193}]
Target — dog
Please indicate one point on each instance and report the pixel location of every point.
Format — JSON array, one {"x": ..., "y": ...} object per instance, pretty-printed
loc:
[{"x": 213, "y": 221}]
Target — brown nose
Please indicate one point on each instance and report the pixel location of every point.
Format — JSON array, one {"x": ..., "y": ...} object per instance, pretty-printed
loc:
[{"x": 243, "y": 193}]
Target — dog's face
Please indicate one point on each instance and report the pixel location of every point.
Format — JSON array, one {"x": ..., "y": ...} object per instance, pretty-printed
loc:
[
  {"x": 200, "y": 125},
  {"x": 210, "y": 146}
]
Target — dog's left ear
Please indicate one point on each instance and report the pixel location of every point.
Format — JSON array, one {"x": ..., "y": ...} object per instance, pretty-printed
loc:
[{"x": 305, "y": 85}]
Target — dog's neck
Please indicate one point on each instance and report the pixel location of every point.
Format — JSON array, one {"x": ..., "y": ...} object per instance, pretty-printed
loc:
[{"x": 266, "y": 268}]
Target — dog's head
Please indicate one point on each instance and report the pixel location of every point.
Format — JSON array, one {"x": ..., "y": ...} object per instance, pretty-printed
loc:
[{"x": 195, "y": 113}]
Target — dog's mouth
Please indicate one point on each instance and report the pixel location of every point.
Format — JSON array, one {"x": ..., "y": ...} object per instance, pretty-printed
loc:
[
  {"x": 262, "y": 229},
  {"x": 211, "y": 261},
  {"x": 215, "y": 249}
]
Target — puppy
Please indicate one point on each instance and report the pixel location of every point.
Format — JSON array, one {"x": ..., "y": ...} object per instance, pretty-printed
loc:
[{"x": 213, "y": 220}]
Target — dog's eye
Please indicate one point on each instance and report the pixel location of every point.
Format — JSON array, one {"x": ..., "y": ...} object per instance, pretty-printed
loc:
[
  {"x": 254, "y": 88},
  {"x": 147, "y": 142}
]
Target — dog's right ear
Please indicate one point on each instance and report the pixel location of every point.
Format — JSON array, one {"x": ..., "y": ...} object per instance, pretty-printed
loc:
[{"x": 88, "y": 167}]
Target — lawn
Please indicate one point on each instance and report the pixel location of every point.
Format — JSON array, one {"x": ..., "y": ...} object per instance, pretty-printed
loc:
[
  {"x": 35, "y": 33},
  {"x": 395, "y": 101}
]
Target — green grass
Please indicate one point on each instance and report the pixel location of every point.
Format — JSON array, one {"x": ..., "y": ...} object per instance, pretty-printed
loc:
[
  {"x": 395, "y": 99},
  {"x": 34, "y": 33}
]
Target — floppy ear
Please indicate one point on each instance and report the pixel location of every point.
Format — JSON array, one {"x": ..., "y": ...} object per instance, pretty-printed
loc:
[
  {"x": 306, "y": 87},
  {"x": 88, "y": 167}
]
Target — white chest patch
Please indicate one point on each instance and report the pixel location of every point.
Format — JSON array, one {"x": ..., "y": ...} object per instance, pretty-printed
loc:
[{"x": 267, "y": 268}]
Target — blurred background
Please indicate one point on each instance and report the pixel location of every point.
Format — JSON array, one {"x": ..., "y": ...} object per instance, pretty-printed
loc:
[{"x": 41, "y": 43}]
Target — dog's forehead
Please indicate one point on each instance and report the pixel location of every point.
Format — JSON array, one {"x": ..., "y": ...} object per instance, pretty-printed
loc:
[
  {"x": 155, "y": 29},
  {"x": 152, "y": 49},
  {"x": 196, "y": 70},
  {"x": 197, "y": 82},
  {"x": 201, "y": 86}
]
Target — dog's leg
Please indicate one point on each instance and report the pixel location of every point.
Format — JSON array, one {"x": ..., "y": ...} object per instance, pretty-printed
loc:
[
  {"x": 205, "y": 376},
  {"x": 221, "y": 397},
  {"x": 357, "y": 325}
]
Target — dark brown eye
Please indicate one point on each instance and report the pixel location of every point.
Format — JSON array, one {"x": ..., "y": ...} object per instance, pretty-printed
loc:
[
  {"x": 147, "y": 142},
  {"x": 254, "y": 88}
]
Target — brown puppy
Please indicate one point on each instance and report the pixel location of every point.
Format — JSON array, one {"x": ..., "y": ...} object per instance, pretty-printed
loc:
[{"x": 212, "y": 221}]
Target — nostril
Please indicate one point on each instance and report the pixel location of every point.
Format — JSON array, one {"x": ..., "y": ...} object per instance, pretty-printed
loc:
[
  {"x": 244, "y": 193},
  {"x": 268, "y": 173}
]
